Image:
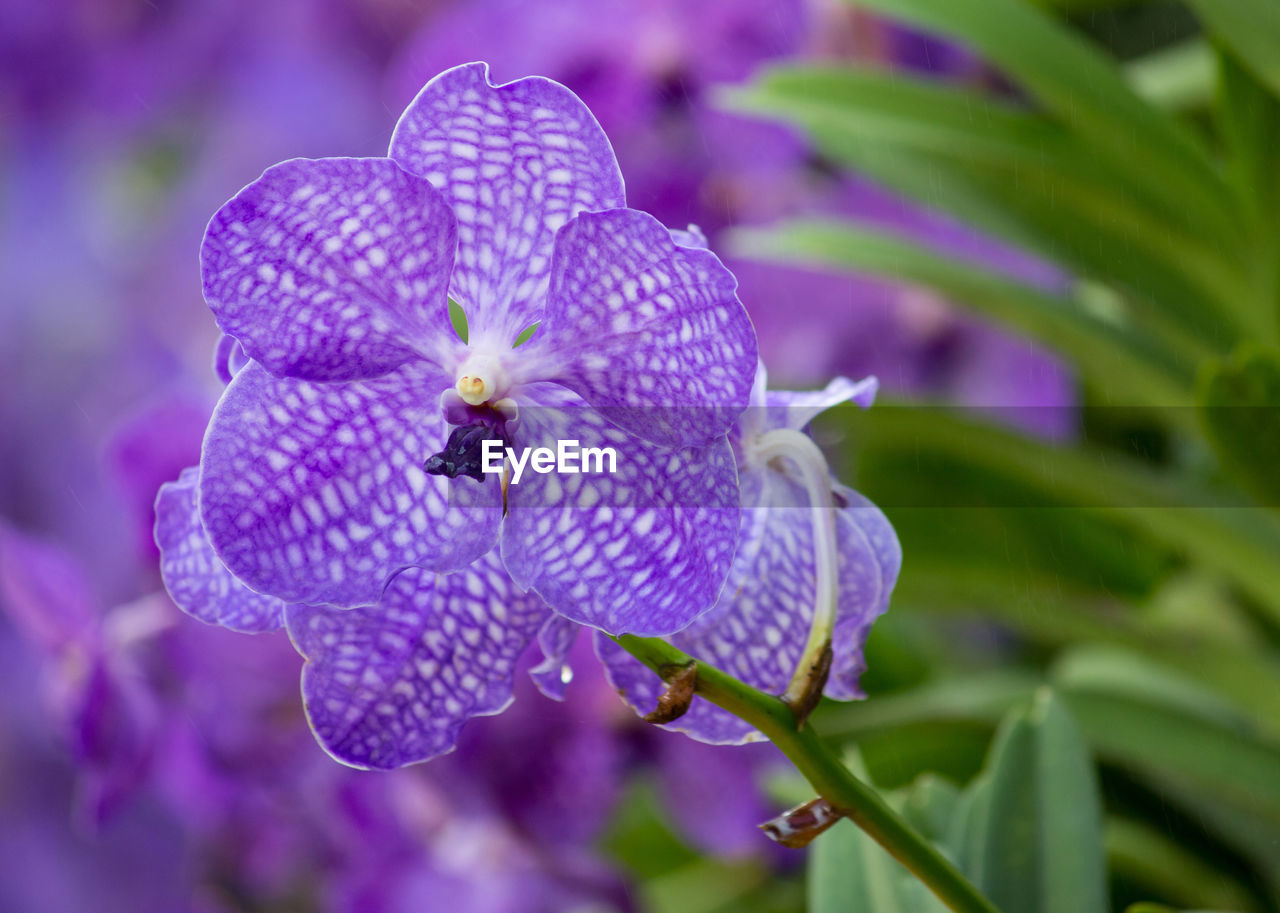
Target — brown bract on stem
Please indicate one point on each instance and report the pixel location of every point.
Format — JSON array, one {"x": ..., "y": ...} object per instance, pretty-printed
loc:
[
  {"x": 797, "y": 827},
  {"x": 674, "y": 702}
]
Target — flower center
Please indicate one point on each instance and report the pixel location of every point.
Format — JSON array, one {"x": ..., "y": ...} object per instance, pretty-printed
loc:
[{"x": 481, "y": 379}]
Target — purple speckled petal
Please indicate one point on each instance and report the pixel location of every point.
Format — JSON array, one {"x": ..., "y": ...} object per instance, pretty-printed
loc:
[
  {"x": 691, "y": 237},
  {"x": 333, "y": 269},
  {"x": 758, "y": 631},
  {"x": 199, "y": 583},
  {"x": 772, "y": 409},
  {"x": 553, "y": 674},
  {"x": 860, "y": 520},
  {"x": 796, "y": 409},
  {"x": 648, "y": 331},
  {"x": 392, "y": 684},
  {"x": 643, "y": 550},
  {"x": 515, "y": 162},
  {"x": 315, "y": 493}
]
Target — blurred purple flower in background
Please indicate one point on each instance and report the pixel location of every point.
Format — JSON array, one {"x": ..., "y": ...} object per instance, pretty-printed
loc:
[{"x": 194, "y": 779}]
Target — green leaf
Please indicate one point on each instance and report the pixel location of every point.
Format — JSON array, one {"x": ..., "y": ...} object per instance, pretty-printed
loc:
[
  {"x": 1173, "y": 511},
  {"x": 1193, "y": 747},
  {"x": 845, "y": 104},
  {"x": 1240, "y": 412},
  {"x": 1149, "y": 719},
  {"x": 458, "y": 319},
  {"x": 943, "y": 728},
  {"x": 1255, "y": 838},
  {"x": 979, "y": 533},
  {"x": 1075, "y": 6},
  {"x": 1251, "y": 28},
  {"x": 931, "y": 806},
  {"x": 953, "y": 749},
  {"x": 984, "y": 698},
  {"x": 1192, "y": 750},
  {"x": 1249, "y": 121},
  {"x": 1018, "y": 175},
  {"x": 1107, "y": 351},
  {"x": 1071, "y": 78},
  {"x": 1178, "y": 77},
  {"x": 1033, "y": 841},
  {"x": 1146, "y": 856},
  {"x": 1119, "y": 674},
  {"x": 639, "y": 837},
  {"x": 526, "y": 334},
  {"x": 850, "y": 871},
  {"x": 1145, "y": 907},
  {"x": 1134, "y": 712}
]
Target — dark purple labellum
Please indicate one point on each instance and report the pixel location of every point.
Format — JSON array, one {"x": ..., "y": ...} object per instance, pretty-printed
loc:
[{"x": 463, "y": 453}]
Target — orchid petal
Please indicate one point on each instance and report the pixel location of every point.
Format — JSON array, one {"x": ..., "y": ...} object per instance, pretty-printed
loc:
[
  {"x": 860, "y": 521},
  {"x": 515, "y": 162},
  {"x": 228, "y": 358},
  {"x": 333, "y": 269},
  {"x": 199, "y": 583},
  {"x": 643, "y": 550},
  {"x": 796, "y": 409},
  {"x": 392, "y": 684},
  {"x": 649, "y": 332},
  {"x": 552, "y": 675},
  {"x": 315, "y": 493}
]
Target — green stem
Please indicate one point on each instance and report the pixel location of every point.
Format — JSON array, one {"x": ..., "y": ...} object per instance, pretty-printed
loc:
[{"x": 822, "y": 768}]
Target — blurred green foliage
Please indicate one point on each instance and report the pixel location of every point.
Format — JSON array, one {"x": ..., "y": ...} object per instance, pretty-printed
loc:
[{"x": 1134, "y": 570}]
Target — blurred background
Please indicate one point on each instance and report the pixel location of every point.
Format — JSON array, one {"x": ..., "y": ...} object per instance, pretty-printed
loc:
[{"x": 1050, "y": 229}]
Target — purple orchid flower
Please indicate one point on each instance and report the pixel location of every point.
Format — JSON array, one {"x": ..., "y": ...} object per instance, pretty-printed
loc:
[
  {"x": 333, "y": 274},
  {"x": 759, "y": 629}
]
